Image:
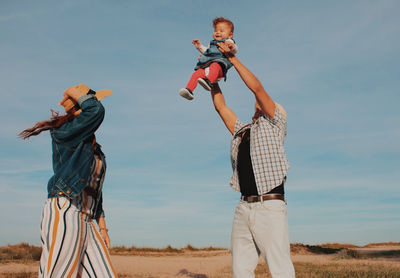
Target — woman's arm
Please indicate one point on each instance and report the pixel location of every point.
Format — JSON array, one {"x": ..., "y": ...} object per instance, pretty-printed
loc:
[
  {"x": 101, "y": 221},
  {"x": 85, "y": 124},
  {"x": 264, "y": 100},
  {"x": 226, "y": 114}
]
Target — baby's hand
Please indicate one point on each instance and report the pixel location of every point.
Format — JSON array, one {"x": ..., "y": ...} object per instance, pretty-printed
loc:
[{"x": 196, "y": 43}]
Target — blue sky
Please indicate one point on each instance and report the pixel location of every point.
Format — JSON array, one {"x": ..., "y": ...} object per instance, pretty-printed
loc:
[{"x": 333, "y": 65}]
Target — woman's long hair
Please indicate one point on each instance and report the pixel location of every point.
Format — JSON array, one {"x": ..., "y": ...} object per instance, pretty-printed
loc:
[{"x": 55, "y": 121}]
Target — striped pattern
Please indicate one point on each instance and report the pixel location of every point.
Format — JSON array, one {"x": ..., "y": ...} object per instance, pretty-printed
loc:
[
  {"x": 71, "y": 243},
  {"x": 268, "y": 156},
  {"x": 85, "y": 202}
]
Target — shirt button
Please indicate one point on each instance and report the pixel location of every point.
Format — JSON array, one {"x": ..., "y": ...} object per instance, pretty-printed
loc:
[
  {"x": 68, "y": 191},
  {"x": 82, "y": 179},
  {"x": 60, "y": 193}
]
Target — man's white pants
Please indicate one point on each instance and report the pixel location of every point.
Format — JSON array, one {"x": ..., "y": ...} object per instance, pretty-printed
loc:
[{"x": 261, "y": 228}]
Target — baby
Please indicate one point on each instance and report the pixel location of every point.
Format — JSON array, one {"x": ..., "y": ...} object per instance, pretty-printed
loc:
[{"x": 212, "y": 65}]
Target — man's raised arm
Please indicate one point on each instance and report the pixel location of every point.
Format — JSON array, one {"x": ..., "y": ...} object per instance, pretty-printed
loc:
[
  {"x": 264, "y": 100},
  {"x": 226, "y": 114}
]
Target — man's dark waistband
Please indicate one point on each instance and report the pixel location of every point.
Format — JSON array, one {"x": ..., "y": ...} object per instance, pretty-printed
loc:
[{"x": 266, "y": 197}]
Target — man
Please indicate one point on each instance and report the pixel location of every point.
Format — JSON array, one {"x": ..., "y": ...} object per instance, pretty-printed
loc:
[{"x": 259, "y": 172}]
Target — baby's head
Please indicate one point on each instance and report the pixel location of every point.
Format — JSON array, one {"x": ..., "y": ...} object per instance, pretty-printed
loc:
[{"x": 223, "y": 28}]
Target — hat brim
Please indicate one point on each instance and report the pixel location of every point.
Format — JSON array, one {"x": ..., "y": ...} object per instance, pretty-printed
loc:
[
  {"x": 69, "y": 104},
  {"x": 103, "y": 94}
]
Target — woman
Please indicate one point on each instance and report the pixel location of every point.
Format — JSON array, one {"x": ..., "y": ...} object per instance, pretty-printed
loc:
[{"x": 72, "y": 245}]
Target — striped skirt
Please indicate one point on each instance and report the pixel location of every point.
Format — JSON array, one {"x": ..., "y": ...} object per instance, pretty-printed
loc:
[{"x": 71, "y": 243}]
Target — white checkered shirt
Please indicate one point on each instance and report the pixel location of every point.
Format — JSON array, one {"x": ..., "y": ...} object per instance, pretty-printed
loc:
[{"x": 267, "y": 153}]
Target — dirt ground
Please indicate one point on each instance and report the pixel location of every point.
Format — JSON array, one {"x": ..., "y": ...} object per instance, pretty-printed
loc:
[{"x": 204, "y": 264}]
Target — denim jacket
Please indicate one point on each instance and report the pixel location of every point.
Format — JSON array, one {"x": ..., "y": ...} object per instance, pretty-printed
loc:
[
  {"x": 73, "y": 152},
  {"x": 213, "y": 54}
]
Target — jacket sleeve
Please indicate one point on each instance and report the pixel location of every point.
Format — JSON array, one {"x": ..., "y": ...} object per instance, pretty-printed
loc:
[{"x": 84, "y": 125}]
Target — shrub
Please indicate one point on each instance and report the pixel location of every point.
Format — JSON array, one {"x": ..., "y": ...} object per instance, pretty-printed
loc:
[{"x": 20, "y": 252}]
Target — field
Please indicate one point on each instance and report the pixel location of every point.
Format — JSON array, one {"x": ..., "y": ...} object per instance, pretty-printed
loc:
[{"x": 328, "y": 261}]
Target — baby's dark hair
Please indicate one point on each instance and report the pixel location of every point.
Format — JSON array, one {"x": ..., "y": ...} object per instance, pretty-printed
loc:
[{"x": 224, "y": 20}]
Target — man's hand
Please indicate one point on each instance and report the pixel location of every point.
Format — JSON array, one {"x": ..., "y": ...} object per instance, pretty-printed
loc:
[{"x": 226, "y": 48}]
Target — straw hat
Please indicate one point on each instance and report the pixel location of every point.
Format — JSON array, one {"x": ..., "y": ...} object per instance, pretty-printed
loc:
[{"x": 69, "y": 103}]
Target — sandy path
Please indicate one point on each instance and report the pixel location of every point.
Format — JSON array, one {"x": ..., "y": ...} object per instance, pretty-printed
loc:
[
  {"x": 171, "y": 266},
  {"x": 18, "y": 267}
]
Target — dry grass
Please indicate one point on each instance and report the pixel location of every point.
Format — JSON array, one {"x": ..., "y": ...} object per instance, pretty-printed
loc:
[
  {"x": 385, "y": 254},
  {"x": 346, "y": 254},
  {"x": 329, "y": 270},
  {"x": 299, "y": 248},
  {"x": 167, "y": 251},
  {"x": 338, "y": 245},
  {"x": 390, "y": 243},
  {"x": 20, "y": 252},
  {"x": 122, "y": 250},
  {"x": 360, "y": 270}
]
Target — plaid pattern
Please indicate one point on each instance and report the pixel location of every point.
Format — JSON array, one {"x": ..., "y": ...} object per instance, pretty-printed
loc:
[{"x": 268, "y": 156}]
